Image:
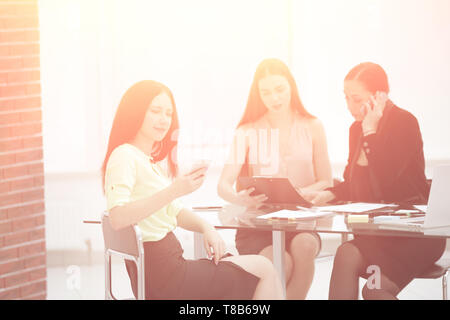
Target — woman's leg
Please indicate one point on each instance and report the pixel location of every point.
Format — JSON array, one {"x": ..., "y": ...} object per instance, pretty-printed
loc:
[
  {"x": 348, "y": 266},
  {"x": 288, "y": 263},
  {"x": 304, "y": 248},
  {"x": 388, "y": 290},
  {"x": 269, "y": 286}
]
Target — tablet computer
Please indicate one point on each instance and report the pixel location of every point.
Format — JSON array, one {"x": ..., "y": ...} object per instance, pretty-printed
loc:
[{"x": 279, "y": 191}]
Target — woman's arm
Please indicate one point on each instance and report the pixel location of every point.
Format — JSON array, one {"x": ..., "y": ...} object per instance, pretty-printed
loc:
[
  {"x": 230, "y": 173},
  {"x": 321, "y": 161},
  {"x": 214, "y": 244},
  {"x": 133, "y": 212}
]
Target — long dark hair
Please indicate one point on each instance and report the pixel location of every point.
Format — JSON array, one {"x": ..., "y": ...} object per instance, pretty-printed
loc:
[
  {"x": 255, "y": 107},
  {"x": 129, "y": 118},
  {"x": 371, "y": 75}
]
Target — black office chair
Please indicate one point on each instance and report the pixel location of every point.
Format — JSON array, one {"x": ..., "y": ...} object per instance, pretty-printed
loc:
[
  {"x": 440, "y": 269},
  {"x": 127, "y": 244}
]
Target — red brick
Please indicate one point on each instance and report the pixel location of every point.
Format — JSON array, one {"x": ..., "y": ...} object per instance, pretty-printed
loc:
[
  {"x": 28, "y": 156},
  {"x": 8, "y": 254},
  {"x": 18, "y": 8},
  {"x": 10, "y": 145},
  {"x": 21, "y": 184},
  {"x": 36, "y": 168},
  {"x": 10, "y": 294},
  {"x": 19, "y": 23},
  {"x": 2, "y": 284},
  {"x": 38, "y": 274},
  {"x": 33, "y": 142},
  {"x": 35, "y": 261},
  {"x": 6, "y": 159},
  {"x": 26, "y": 223},
  {"x": 26, "y": 210},
  {"x": 31, "y": 62},
  {"x": 12, "y": 266},
  {"x": 32, "y": 249},
  {"x": 22, "y": 76},
  {"x": 16, "y": 279},
  {"x": 41, "y": 296},
  {"x": 4, "y": 187},
  {"x": 33, "y": 288},
  {"x": 23, "y": 49},
  {"x": 37, "y": 234},
  {"x": 31, "y": 116},
  {"x": 20, "y": 36},
  {"x": 13, "y": 90},
  {"x": 3, "y": 215},
  {"x": 5, "y": 132},
  {"x": 5, "y": 227},
  {"x": 15, "y": 238},
  {"x": 32, "y": 195},
  {"x": 14, "y": 172},
  {"x": 13, "y": 63},
  {"x": 10, "y": 118},
  {"x": 25, "y": 130},
  {"x": 9, "y": 199},
  {"x": 39, "y": 181},
  {"x": 20, "y": 103}
]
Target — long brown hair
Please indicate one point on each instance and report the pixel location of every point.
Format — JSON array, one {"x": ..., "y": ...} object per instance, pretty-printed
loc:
[
  {"x": 129, "y": 118},
  {"x": 255, "y": 107}
]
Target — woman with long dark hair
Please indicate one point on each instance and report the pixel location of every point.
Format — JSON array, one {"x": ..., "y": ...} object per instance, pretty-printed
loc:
[
  {"x": 139, "y": 191},
  {"x": 385, "y": 164},
  {"x": 276, "y": 120}
]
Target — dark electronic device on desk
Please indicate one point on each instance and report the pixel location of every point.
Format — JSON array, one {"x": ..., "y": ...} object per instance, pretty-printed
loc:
[{"x": 279, "y": 191}]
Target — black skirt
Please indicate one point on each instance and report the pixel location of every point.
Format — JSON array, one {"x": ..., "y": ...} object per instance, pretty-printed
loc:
[
  {"x": 401, "y": 259},
  {"x": 253, "y": 241},
  {"x": 169, "y": 276}
]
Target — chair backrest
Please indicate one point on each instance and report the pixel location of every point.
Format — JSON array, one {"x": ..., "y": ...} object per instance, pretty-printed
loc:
[{"x": 127, "y": 240}]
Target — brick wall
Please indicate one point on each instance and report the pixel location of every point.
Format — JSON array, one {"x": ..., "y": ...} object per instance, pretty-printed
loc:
[{"x": 22, "y": 221}]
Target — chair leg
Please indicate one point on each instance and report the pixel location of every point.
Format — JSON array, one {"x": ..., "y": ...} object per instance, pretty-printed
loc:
[
  {"x": 444, "y": 285},
  {"x": 108, "y": 295},
  {"x": 140, "y": 279}
]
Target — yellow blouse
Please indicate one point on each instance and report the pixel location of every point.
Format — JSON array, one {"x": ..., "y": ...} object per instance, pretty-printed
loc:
[{"x": 130, "y": 175}]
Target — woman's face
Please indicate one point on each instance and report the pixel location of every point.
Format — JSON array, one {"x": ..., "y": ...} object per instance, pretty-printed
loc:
[
  {"x": 356, "y": 96},
  {"x": 158, "y": 118},
  {"x": 275, "y": 93}
]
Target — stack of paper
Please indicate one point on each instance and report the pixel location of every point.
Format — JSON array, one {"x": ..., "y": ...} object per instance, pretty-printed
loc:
[
  {"x": 288, "y": 214},
  {"x": 357, "y": 207}
]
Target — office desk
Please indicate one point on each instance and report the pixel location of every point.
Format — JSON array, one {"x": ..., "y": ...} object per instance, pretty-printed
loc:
[{"x": 233, "y": 217}]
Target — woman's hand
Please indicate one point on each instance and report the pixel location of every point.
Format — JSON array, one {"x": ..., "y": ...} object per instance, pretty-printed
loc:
[
  {"x": 188, "y": 183},
  {"x": 321, "y": 198},
  {"x": 374, "y": 111},
  {"x": 245, "y": 199},
  {"x": 214, "y": 244}
]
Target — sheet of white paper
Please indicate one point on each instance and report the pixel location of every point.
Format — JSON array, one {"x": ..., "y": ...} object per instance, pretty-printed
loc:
[
  {"x": 422, "y": 207},
  {"x": 357, "y": 207},
  {"x": 289, "y": 214}
]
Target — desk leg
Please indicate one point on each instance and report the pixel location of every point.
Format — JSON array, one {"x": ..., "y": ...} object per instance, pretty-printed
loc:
[
  {"x": 278, "y": 256},
  {"x": 199, "y": 248}
]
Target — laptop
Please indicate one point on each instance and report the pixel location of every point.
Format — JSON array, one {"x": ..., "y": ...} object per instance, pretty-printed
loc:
[
  {"x": 279, "y": 191},
  {"x": 438, "y": 209}
]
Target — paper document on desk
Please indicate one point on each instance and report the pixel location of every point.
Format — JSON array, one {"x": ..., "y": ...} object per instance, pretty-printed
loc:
[
  {"x": 422, "y": 208},
  {"x": 357, "y": 207},
  {"x": 289, "y": 214}
]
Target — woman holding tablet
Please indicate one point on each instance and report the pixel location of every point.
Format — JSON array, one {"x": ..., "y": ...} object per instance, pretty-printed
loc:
[
  {"x": 139, "y": 191},
  {"x": 277, "y": 137},
  {"x": 385, "y": 164}
]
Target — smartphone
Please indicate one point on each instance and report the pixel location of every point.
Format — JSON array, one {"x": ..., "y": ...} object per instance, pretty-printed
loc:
[
  {"x": 199, "y": 165},
  {"x": 364, "y": 110}
]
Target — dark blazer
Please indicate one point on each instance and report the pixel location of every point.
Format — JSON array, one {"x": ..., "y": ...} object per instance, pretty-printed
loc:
[{"x": 395, "y": 157}]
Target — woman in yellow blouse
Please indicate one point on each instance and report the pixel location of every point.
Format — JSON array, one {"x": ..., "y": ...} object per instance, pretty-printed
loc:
[{"x": 139, "y": 191}]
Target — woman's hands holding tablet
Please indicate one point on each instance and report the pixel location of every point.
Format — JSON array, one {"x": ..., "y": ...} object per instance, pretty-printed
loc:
[{"x": 245, "y": 199}]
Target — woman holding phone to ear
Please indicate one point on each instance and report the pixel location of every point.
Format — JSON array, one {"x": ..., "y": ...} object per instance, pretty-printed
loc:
[
  {"x": 276, "y": 120},
  {"x": 385, "y": 164},
  {"x": 139, "y": 191}
]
